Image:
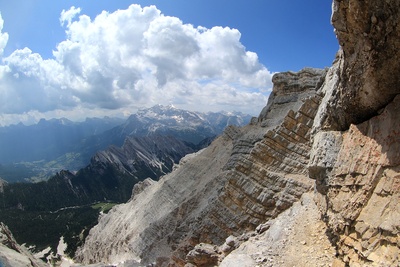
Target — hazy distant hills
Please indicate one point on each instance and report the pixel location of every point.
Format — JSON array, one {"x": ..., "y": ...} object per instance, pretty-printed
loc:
[
  {"x": 146, "y": 145},
  {"x": 185, "y": 125},
  {"x": 45, "y": 148},
  {"x": 48, "y": 139},
  {"x": 42, "y": 149},
  {"x": 65, "y": 205}
]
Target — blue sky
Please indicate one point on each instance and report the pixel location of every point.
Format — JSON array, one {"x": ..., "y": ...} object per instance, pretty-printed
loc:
[{"x": 199, "y": 55}]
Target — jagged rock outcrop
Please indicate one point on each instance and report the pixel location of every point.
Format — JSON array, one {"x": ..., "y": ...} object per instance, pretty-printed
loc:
[
  {"x": 369, "y": 34},
  {"x": 355, "y": 157},
  {"x": 247, "y": 176},
  {"x": 204, "y": 255},
  {"x": 336, "y": 131},
  {"x": 14, "y": 255},
  {"x": 153, "y": 155},
  {"x": 358, "y": 176},
  {"x": 141, "y": 186},
  {"x": 288, "y": 88}
]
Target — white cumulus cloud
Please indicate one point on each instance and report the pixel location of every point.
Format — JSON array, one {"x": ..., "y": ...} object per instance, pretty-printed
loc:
[
  {"x": 68, "y": 15},
  {"x": 133, "y": 58},
  {"x": 3, "y": 36}
]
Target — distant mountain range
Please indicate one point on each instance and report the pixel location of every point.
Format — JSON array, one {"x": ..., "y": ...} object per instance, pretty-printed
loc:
[
  {"x": 185, "y": 125},
  {"x": 65, "y": 204},
  {"x": 48, "y": 139},
  {"x": 38, "y": 151},
  {"x": 42, "y": 149},
  {"x": 146, "y": 145},
  {"x": 110, "y": 175}
]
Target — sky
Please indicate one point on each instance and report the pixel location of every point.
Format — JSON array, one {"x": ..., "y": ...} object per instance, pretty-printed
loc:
[{"x": 96, "y": 58}]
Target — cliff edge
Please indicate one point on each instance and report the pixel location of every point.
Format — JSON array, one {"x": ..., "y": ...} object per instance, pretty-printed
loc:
[
  {"x": 244, "y": 178},
  {"x": 355, "y": 158},
  {"x": 317, "y": 173},
  {"x": 14, "y": 255}
]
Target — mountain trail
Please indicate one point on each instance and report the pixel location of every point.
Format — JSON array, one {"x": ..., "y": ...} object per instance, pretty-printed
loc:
[{"x": 297, "y": 237}]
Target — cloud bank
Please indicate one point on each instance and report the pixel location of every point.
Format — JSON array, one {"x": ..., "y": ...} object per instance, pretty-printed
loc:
[{"x": 127, "y": 59}]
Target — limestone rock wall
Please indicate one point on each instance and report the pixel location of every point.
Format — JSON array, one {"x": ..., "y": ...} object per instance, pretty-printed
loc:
[
  {"x": 360, "y": 188},
  {"x": 369, "y": 34},
  {"x": 246, "y": 177},
  {"x": 356, "y": 136},
  {"x": 288, "y": 88}
]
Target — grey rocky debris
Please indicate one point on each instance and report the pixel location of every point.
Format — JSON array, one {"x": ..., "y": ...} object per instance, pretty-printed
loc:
[{"x": 14, "y": 255}]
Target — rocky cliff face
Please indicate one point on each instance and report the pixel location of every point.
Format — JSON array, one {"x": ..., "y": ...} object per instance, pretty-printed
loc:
[
  {"x": 361, "y": 188},
  {"x": 369, "y": 35},
  {"x": 14, "y": 255},
  {"x": 332, "y": 133},
  {"x": 357, "y": 168},
  {"x": 247, "y": 176}
]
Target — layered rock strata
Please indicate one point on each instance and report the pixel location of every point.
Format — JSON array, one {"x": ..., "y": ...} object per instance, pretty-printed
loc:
[
  {"x": 358, "y": 177},
  {"x": 355, "y": 157},
  {"x": 337, "y": 131},
  {"x": 247, "y": 176}
]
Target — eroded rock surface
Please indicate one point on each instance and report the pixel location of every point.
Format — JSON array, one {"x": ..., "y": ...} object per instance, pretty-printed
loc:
[
  {"x": 295, "y": 238},
  {"x": 361, "y": 189},
  {"x": 14, "y": 255},
  {"x": 369, "y": 34},
  {"x": 288, "y": 88},
  {"x": 336, "y": 131},
  {"x": 247, "y": 176},
  {"x": 356, "y": 136}
]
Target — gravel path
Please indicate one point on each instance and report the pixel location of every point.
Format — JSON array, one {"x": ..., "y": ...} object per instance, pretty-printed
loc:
[{"x": 295, "y": 238}]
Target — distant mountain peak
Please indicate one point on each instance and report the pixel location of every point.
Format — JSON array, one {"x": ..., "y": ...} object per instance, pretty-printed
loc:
[
  {"x": 170, "y": 112},
  {"x": 55, "y": 121}
]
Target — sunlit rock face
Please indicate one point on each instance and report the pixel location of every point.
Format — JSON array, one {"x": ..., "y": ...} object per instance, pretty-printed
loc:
[
  {"x": 289, "y": 87},
  {"x": 358, "y": 177},
  {"x": 357, "y": 168},
  {"x": 369, "y": 35},
  {"x": 247, "y": 176}
]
